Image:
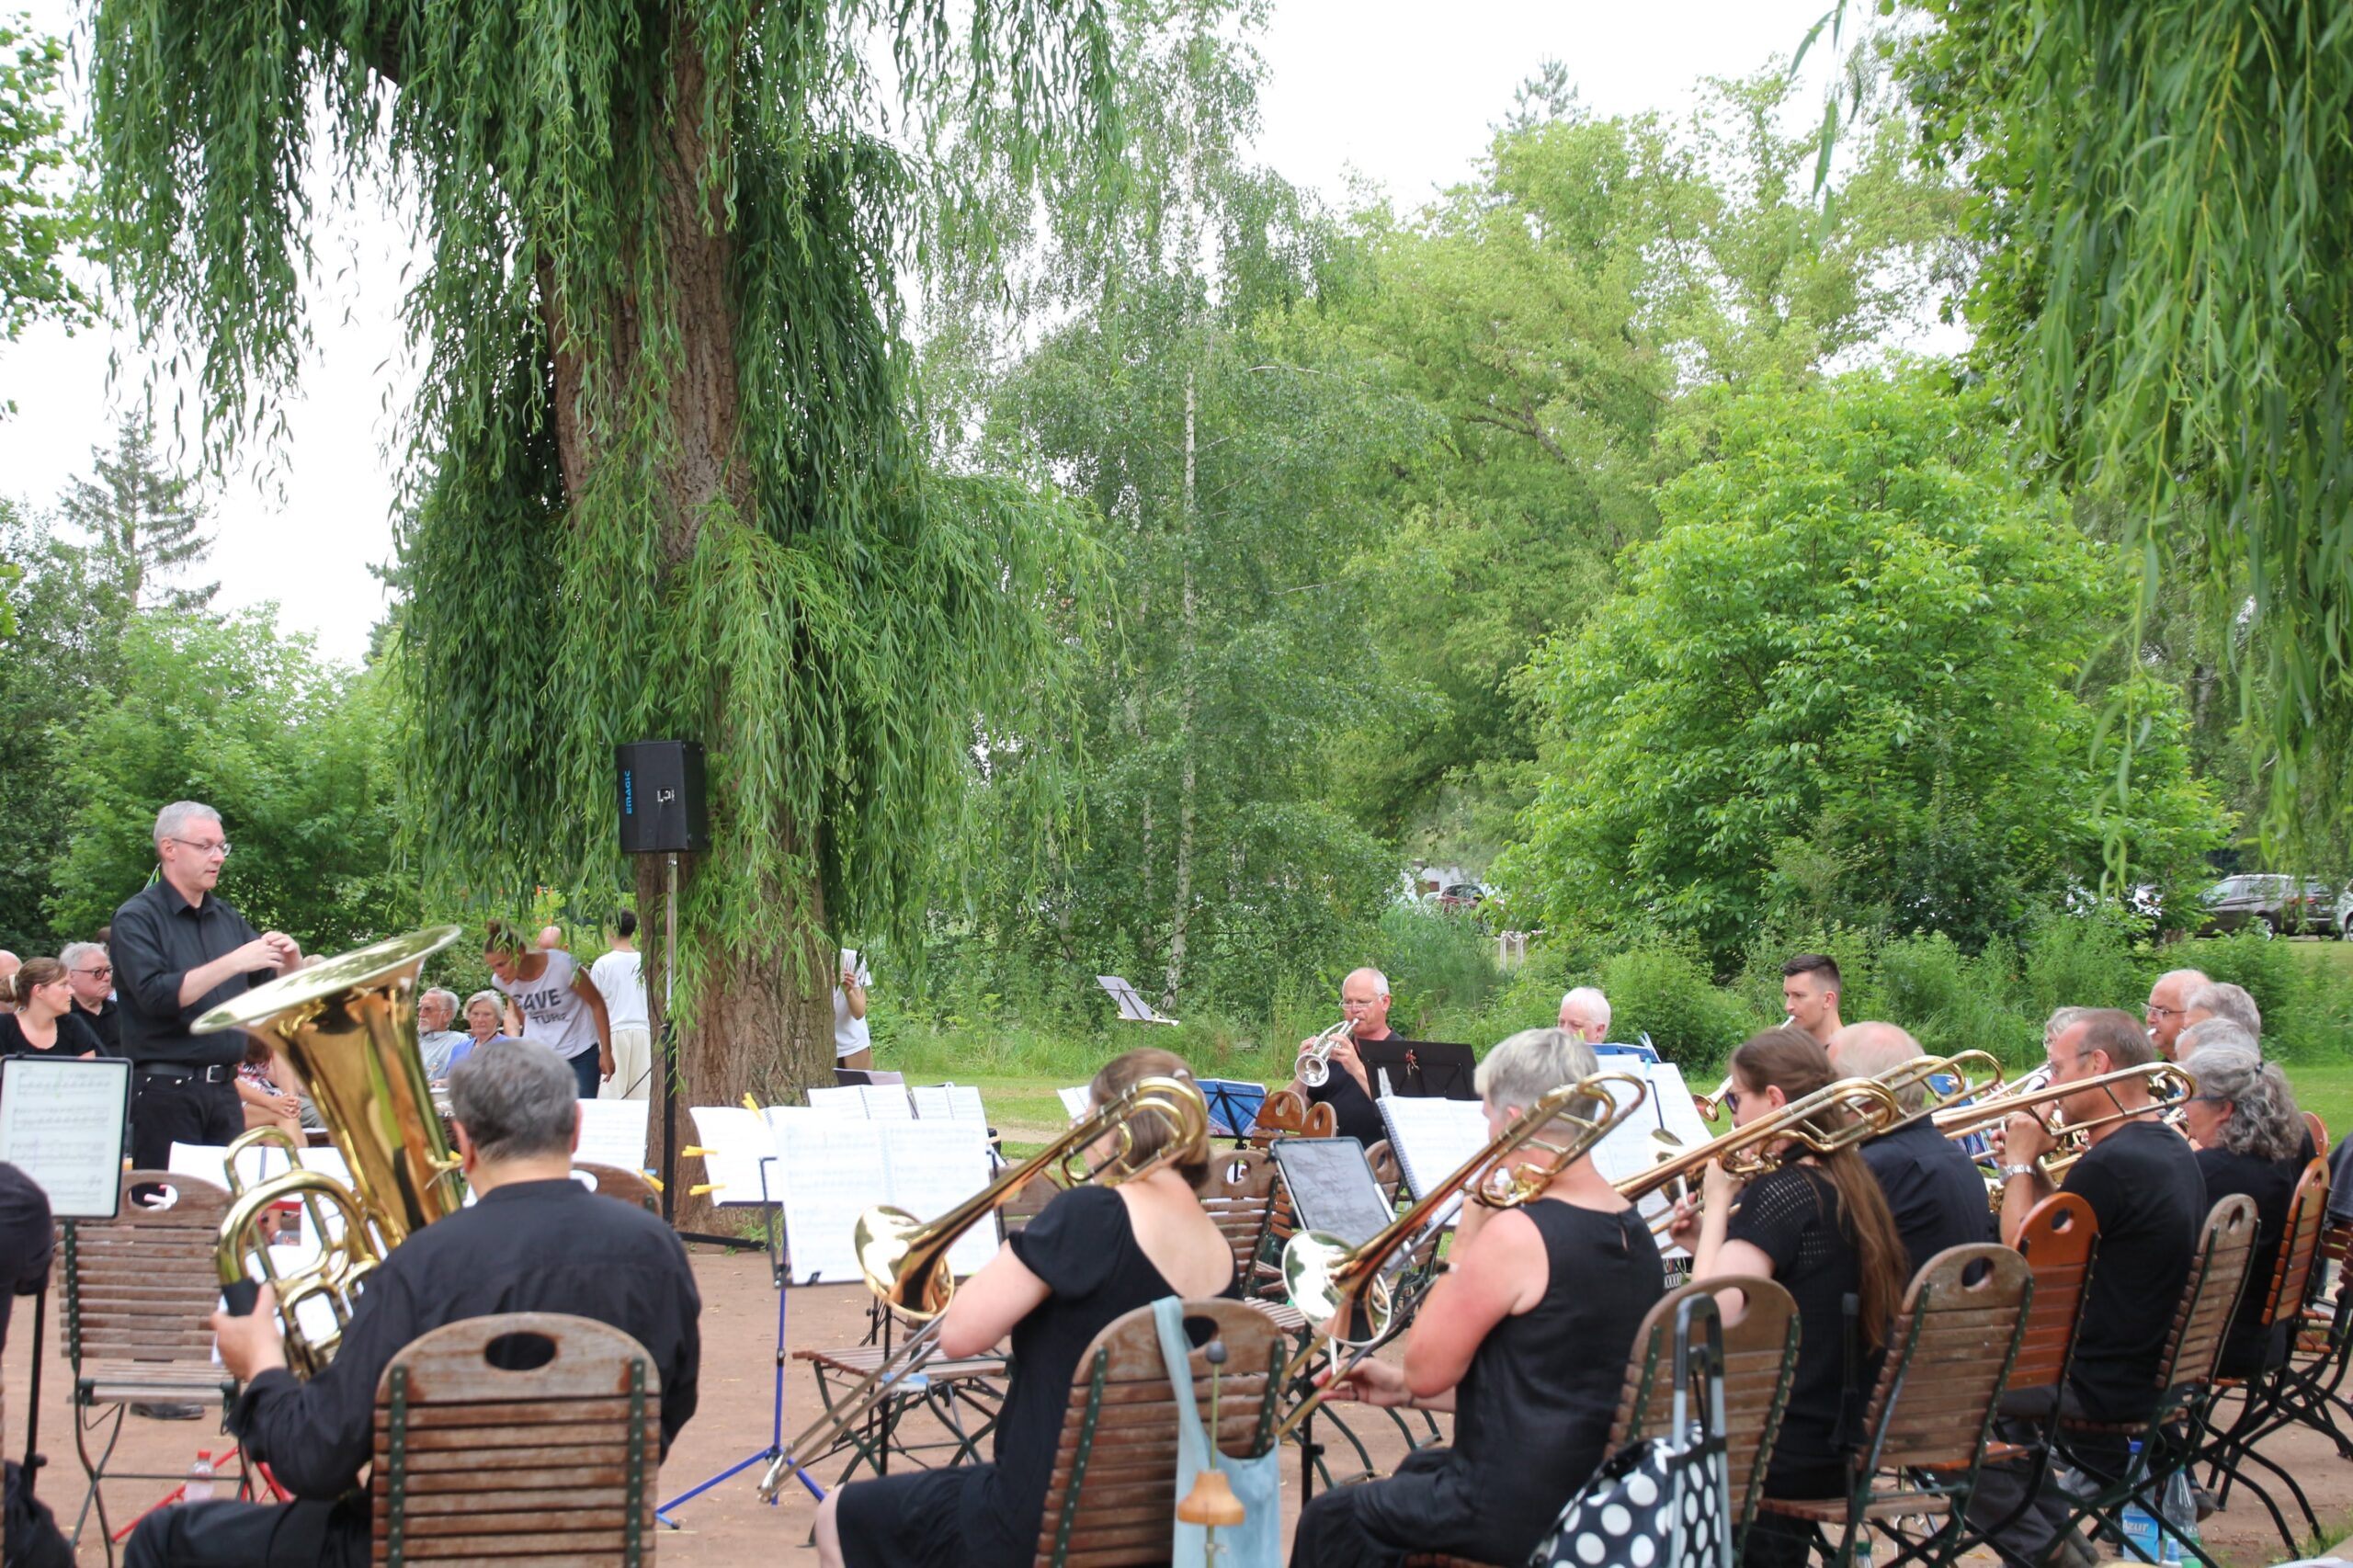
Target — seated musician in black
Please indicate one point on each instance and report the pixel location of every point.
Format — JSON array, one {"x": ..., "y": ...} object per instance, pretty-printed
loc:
[
  {"x": 1364, "y": 1002},
  {"x": 1524, "y": 1338},
  {"x": 534, "y": 1241},
  {"x": 29, "y": 1534},
  {"x": 2144, "y": 1187},
  {"x": 2247, "y": 1132},
  {"x": 1818, "y": 1226},
  {"x": 1094, "y": 1253},
  {"x": 1932, "y": 1188}
]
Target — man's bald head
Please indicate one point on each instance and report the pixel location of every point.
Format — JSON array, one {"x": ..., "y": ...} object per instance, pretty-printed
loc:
[
  {"x": 550, "y": 939},
  {"x": 1867, "y": 1050},
  {"x": 2169, "y": 1007},
  {"x": 1364, "y": 999}
]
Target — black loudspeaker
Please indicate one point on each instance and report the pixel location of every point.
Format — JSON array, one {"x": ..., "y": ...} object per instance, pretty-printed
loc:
[{"x": 661, "y": 793}]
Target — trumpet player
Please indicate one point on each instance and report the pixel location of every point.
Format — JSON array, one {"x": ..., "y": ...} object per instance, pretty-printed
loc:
[
  {"x": 1364, "y": 1006},
  {"x": 1092, "y": 1254},
  {"x": 536, "y": 1241},
  {"x": 1524, "y": 1338},
  {"x": 1818, "y": 1226},
  {"x": 1932, "y": 1188},
  {"x": 2144, "y": 1187}
]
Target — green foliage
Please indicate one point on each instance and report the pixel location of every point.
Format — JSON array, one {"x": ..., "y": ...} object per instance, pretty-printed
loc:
[
  {"x": 1441, "y": 963},
  {"x": 43, "y": 219},
  {"x": 1841, "y": 679},
  {"x": 141, "y": 521},
  {"x": 1662, "y": 988},
  {"x": 2166, "y": 291},
  {"x": 296, "y": 758}
]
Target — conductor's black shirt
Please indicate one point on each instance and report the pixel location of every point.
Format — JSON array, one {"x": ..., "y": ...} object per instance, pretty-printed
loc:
[
  {"x": 1933, "y": 1189},
  {"x": 537, "y": 1247},
  {"x": 157, "y": 937}
]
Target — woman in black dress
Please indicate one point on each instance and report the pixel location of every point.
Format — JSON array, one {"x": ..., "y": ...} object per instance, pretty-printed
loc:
[
  {"x": 1525, "y": 1338},
  {"x": 44, "y": 1022},
  {"x": 2248, "y": 1130},
  {"x": 1820, "y": 1227},
  {"x": 1094, "y": 1253}
]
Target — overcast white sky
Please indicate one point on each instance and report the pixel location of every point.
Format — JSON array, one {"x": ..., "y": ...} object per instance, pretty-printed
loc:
[{"x": 1399, "y": 91}]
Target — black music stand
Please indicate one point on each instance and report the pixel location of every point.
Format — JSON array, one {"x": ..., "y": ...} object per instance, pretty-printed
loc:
[
  {"x": 1234, "y": 1106},
  {"x": 1422, "y": 1069}
]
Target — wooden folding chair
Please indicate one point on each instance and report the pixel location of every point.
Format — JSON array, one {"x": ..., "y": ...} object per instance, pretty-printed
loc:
[
  {"x": 139, "y": 1289},
  {"x": 2264, "y": 1406},
  {"x": 613, "y": 1181},
  {"x": 529, "y": 1438},
  {"x": 2185, "y": 1381},
  {"x": 1288, "y": 1114},
  {"x": 1931, "y": 1413},
  {"x": 1113, "y": 1493},
  {"x": 1240, "y": 1199},
  {"x": 2323, "y": 1345}
]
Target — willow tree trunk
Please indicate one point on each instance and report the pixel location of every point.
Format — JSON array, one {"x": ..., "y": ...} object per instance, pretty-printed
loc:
[{"x": 762, "y": 1023}]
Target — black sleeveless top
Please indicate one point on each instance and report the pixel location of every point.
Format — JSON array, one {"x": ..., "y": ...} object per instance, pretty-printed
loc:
[{"x": 1532, "y": 1415}]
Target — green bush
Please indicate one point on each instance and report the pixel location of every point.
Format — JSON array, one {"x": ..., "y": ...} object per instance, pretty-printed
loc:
[
  {"x": 1661, "y": 988},
  {"x": 1439, "y": 964},
  {"x": 2078, "y": 962},
  {"x": 1951, "y": 1001}
]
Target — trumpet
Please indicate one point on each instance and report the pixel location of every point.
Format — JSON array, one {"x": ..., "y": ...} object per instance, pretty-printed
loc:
[
  {"x": 905, "y": 1259},
  {"x": 1835, "y": 1116},
  {"x": 1338, "y": 1287},
  {"x": 1314, "y": 1068}
]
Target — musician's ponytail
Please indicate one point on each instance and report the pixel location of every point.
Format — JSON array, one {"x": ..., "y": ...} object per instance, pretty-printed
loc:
[{"x": 1793, "y": 1062}]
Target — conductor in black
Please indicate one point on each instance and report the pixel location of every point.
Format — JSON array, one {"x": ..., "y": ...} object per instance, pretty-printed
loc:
[{"x": 179, "y": 952}]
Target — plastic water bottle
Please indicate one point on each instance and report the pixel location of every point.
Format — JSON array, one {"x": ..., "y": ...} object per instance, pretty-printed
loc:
[
  {"x": 2180, "y": 1510},
  {"x": 2145, "y": 1533},
  {"x": 198, "y": 1487}
]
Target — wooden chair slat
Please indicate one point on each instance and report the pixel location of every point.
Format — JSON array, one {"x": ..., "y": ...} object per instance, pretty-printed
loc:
[
  {"x": 540, "y": 1524},
  {"x": 498, "y": 1413}
]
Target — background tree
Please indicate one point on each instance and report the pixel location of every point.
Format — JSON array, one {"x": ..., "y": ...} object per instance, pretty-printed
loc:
[
  {"x": 144, "y": 522},
  {"x": 668, "y": 481},
  {"x": 42, "y": 222},
  {"x": 2166, "y": 291},
  {"x": 1842, "y": 677}
]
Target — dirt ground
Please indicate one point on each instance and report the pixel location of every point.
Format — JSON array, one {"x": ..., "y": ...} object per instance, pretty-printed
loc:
[{"x": 728, "y": 1525}]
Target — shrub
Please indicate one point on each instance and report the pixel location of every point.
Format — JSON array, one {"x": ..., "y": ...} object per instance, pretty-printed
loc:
[
  {"x": 1660, "y": 988},
  {"x": 1439, "y": 962}
]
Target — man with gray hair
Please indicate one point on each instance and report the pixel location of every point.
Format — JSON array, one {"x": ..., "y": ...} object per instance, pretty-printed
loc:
[
  {"x": 90, "y": 974},
  {"x": 1933, "y": 1189},
  {"x": 2168, "y": 1009},
  {"x": 536, "y": 1241},
  {"x": 1585, "y": 1012},
  {"x": 180, "y": 951},
  {"x": 2221, "y": 999},
  {"x": 1364, "y": 1004},
  {"x": 435, "y": 1038}
]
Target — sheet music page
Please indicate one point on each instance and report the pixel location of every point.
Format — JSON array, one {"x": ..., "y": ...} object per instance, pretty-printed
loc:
[
  {"x": 839, "y": 1100},
  {"x": 884, "y": 1102},
  {"x": 63, "y": 1124},
  {"x": 935, "y": 1165},
  {"x": 830, "y": 1170},
  {"x": 210, "y": 1161},
  {"x": 1431, "y": 1137},
  {"x": 1075, "y": 1101},
  {"x": 1635, "y": 1145},
  {"x": 612, "y": 1132},
  {"x": 964, "y": 1103},
  {"x": 930, "y": 1101},
  {"x": 735, "y": 1140}
]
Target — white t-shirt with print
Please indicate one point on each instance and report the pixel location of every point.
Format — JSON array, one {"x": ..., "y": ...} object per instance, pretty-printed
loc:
[
  {"x": 554, "y": 1013},
  {"x": 851, "y": 1035}
]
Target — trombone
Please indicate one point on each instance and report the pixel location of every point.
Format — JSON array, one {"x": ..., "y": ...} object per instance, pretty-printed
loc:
[
  {"x": 1336, "y": 1287},
  {"x": 1835, "y": 1116},
  {"x": 2168, "y": 1085},
  {"x": 1314, "y": 1067},
  {"x": 905, "y": 1259},
  {"x": 1711, "y": 1104},
  {"x": 1921, "y": 1072}
]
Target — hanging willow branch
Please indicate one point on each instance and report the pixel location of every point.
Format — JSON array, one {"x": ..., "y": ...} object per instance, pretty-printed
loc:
[
  {"x": 2168, "y": 288},
  {"x": 664, "y": 477}
]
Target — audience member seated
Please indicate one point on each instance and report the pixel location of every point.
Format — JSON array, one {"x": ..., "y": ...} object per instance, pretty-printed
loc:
[{"x": 41, "y": 1020}]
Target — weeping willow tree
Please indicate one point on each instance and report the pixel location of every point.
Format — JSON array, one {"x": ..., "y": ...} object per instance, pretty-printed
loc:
[
  {"x": 666, "y": 477},
  {"x": 2168, "y": 288}
]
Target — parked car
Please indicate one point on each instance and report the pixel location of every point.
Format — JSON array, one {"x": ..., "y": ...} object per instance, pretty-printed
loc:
[{"x": 2272, "y": 905}]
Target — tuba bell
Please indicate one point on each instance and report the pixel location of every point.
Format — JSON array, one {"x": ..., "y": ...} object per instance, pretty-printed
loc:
[{"x": 349, "y": 1028}]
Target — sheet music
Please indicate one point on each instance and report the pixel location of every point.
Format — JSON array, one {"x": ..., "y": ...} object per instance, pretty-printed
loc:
[
  {"x": 1635, "y": 1146},
  {"x": 885, "y": 1102},
  {"x": 1075, "y": 1101},
  {"x": 930, "y": 1101},
  {"x": 736, "y": 1139},
  {"x": 829, "y": 1170},
  {"x": 62, "y": 1124},
  {"x": 933, "y": 1167},
  {"x": 1432, "y": 1137},
  {"x": 839, "y": 1100},
  {"x": 612, "y": 1132},
  {"x": 964, "y": 1103},
  {"x": 210, "y": 1161}
]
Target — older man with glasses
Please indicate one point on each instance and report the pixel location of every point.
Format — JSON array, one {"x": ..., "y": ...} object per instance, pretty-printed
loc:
[
  {"x": 2168, "y": 1009},
  {"x": 178, "y": 952},
  {"x": 91, "y": 974}
]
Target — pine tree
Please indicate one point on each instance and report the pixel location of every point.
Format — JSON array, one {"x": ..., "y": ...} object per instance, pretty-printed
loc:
[{"x": 143, "y": 521}]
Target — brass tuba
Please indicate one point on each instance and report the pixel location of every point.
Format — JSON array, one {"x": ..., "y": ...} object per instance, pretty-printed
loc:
[{"x": 349, "y": 1026}]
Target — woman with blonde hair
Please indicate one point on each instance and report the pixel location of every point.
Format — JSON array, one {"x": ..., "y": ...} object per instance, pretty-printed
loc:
[
  {"x": 43, "y": 1021},
  {"x": 1093, "y": 1255}
]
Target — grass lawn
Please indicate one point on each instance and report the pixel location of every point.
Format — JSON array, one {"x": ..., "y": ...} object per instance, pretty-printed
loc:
[{"x": 2326, "y": 1089}]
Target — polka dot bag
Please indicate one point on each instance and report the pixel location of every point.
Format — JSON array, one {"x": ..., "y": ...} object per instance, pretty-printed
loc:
[{"x": 1659, "y": 1502}]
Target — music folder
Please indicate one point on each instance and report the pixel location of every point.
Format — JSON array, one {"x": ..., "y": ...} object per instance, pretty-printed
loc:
[{"x": 1422, "y": 1069}]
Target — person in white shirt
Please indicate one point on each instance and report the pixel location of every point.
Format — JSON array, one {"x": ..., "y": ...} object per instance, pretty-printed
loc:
[
  {"x": 620, "y": 977},
  {"x": 561, "y": 1007},
  {"x": 437, "y": 1010},
  {"x": 1584, "y": 1015},
  {"x": 853, "y": 1044}
]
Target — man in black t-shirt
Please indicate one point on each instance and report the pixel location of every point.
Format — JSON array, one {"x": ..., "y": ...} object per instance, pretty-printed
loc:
[
  {"x": 2144, "y": 1189},
  {"x": 1364, "y": 1002},
  {"x": 91, "y": 974},
  {"x": 1933, "y": 1189}
]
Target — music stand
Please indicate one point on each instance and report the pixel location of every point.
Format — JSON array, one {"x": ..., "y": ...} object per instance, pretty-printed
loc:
[
  {"x": 1234, "y": 1106},
  {"x": 1422, "y": 1069},
  {"x": 1134, "y": 1009}
]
